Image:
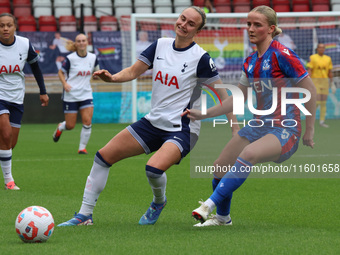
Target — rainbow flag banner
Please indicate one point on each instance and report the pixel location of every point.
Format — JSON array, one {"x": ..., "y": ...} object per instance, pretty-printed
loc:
[{"x": 107, "y": 51}]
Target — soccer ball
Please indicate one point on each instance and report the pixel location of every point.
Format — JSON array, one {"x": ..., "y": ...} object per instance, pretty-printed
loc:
[{"x": 34, "y": 224}]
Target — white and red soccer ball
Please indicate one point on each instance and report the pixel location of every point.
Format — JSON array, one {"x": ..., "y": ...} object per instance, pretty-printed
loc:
[{"x": 34, "y": 224}]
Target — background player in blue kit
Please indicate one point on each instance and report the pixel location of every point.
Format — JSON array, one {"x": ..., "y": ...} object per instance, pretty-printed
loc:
[
  {"x": 15, "y": 51},
  {"x": 179, "y": 65},
  {"x": 78, "y": 67},
  {"x": 273, "y": 65}
]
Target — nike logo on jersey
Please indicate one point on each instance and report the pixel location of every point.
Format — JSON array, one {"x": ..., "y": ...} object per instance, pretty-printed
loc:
[
  {"x": 159, "y": 58},
  {"x": 176, "y": 137},
  {"x": 286, "y": 51}
]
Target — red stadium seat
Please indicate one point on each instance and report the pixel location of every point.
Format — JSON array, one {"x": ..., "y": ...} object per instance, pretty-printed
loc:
[
  {"x": 90, "y": 24},
  {"x": 304, "y": 20},
  {"x": 320, "y": 8},
  {"x": 47, "y": 24},
  {"x": 287, "y": 23},
  {"x": 199, "y": 3},
  {"x": 221, "y": 3},
  {"x": 242, "y": 8},
  {"x": 261, "y": 2},
  {"x": 321, "y": 20},
  {"x": 281, "y": 2},
  {"x": 148, "y": 26},
  {"x": 5, "y": 3},
  {"x": 281, "y": 8},
  {"x": 108, "y": 23},
  {"x": 67, "y": 23},
  {"x": 301, "y": 8},
  {"x": 295, "y": 2},
  {"x": 22, "y": 8},
  {"x": 27, "y": 24},
  {"x": 223, "y": 9},
  {"x": 4, "y": 9},
  {"x": 241, "y": 2}
]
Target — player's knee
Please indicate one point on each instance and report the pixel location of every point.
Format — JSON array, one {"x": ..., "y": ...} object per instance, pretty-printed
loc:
[
  {"x": 249, "y": 155},
  {"x": 70, "y": 126},
  {"x": 153, "y": 172}
]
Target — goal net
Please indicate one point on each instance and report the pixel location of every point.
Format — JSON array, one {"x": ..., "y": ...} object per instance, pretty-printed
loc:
[{"x": 225, "y": 39}]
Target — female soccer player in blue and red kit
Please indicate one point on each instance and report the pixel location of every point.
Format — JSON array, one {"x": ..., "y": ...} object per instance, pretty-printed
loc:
[{"x": 272, "y": 68}]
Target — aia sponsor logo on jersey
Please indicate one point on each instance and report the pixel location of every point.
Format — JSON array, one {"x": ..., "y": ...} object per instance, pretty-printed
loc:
[
  {"x": 10, "y": 69},
  {"x": 166, "y": 80},
  {"x": 83, "y": 73}
]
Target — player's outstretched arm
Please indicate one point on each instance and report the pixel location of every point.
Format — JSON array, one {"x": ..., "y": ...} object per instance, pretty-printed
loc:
[
  {"x": 311, "y": 107},
  {"x": 127, "y": 74}
]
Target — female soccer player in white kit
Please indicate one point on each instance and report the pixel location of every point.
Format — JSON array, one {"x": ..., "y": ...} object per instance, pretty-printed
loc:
[
  {"x": 179, "y": 66},
  {"x": 77, "y": 92},
  {"x": 15, "y": 51}
]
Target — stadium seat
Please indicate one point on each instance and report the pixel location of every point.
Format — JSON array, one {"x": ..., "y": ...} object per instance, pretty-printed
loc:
[
  {"x": 287, "y": 23},
  {"x": 62, "y": 8},
  {"x": 180, "y": 5},
  {"x": 167, "y": 24},
  {"x": 90, "y": 24},
  {"x": 221, "y": 3},
  {"x": 103, "y": 8},
  {"x": 261, "y": 2},
  {"x": 143, "y": 6},
  {"x": 336, "y": 7},
  {"x": 27, "y": 24},
  {"x": 163, "y": 6},
  {"x": 199, "y": 3},
  {"x": 322, "y": 20},
  {"x": 47, "y": 23},
  {"x": 281, "y": 2},
  {"x": 5, "y": 3},
  {"x": 22, "y": 8},
  {"x": 42, "y": 8},
  {"x": 67, "y": 23},
  {"x": 281, "y": 8},
  {"x": 147, "y": 26},
  {"x": 108, "y": 23},
  {"x": 87, "y": 7},
  {"x": 320, "y": 8},
  {"x": 125, "y": 23},
  {"x": 242, "y": 2},
  {"x": 122, "y": 8},
  {"x": 295, "y": 2},
  {"x": 314, "y": 2},
  {"x": 242, "y": 8},
  {"x": 4, "y": 9},
  {"x": 303, "y": 20},
  {"x": 223, "y": 9},
  {"x": 301, "y": 8}
]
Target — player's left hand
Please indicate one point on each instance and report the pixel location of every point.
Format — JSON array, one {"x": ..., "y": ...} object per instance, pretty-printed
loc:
[
  {"x": 192, "y": 114},
  {"x": 104, "y": 75},
  {"x": 44, "y": 99}
]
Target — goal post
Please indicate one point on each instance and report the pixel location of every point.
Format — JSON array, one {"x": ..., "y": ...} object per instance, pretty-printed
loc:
[{"x": 225, "y": 39}]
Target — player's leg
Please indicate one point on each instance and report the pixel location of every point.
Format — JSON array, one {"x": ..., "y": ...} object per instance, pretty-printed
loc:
[
  {"x": 323, "y": 108},
  {"x": 86, "y": 117},
  {"x": 267, "y": 148},
  {"x": 227, "y": 158},
  {"x": 70, "y": 113},
  {"x": 167, "y": 155},
  {"x": 123, "y": 145}
]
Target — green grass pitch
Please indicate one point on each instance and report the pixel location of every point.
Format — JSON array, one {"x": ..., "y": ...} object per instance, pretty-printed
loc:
[{"x": 270, "y": 215}]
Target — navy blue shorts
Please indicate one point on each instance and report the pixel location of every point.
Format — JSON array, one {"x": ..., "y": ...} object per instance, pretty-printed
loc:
[
  {"x": 289, "y": 141},
  {"x": 152, "y": 138},
  {"x": 15, "y": 112},
  {"x": 74, "y": 107}
]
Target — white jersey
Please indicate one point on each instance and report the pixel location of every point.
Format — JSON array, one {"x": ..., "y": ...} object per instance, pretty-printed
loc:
[
  {"x": 78, "y": 72},
  {"x": 176, "y": 82},
  {"x": 12, "y": 61}
]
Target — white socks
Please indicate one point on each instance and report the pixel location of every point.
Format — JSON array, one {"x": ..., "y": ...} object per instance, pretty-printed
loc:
[
  {"x": 6, "y": 165},
  {"x": 84, "y": 136}
]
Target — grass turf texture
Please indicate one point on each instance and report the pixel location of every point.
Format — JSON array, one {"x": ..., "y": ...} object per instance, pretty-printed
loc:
[{"x": 270, "y": 216}]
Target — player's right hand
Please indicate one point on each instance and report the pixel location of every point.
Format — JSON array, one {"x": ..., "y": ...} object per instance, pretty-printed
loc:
[
  {"x": 104, "y": 75},
  {"x": 192, "y": 114}
]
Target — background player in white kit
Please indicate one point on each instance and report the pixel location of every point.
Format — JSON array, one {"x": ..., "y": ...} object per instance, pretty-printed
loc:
[
  {"x": 77, "y": 92},
  {"x": 15, "y": 51},
  {"x": 179, "y": 65}
]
